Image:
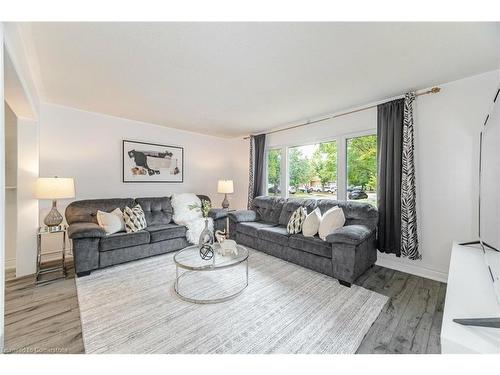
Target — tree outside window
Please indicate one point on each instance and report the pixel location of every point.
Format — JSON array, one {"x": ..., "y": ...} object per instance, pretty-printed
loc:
[
  {"x": 274, "y": 172},
  {"x": 362, "y": 168},
  {"x": 312, "y": 170}
]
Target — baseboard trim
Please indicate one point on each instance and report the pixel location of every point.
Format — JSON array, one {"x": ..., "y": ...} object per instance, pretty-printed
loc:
[{"x": 398, "y": 265}]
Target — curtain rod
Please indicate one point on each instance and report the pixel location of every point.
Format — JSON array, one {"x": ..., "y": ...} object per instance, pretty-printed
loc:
[{"x": 434, "y": 90}]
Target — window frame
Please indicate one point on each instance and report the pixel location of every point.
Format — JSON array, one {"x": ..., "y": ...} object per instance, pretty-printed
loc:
[{"x": 341, "y": 141}]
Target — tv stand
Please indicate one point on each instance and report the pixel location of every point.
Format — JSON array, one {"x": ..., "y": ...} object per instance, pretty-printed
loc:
[{"x": 469, "y": 295}]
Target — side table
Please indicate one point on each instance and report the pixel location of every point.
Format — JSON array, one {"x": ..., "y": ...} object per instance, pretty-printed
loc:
[
  {"x": 59, "y": 269},
  {"x": 219, "y": 214}
]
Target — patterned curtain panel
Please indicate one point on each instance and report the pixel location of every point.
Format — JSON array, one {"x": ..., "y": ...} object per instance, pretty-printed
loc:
[
  {"x": 250, "y": 173},
  {"x": 409, "y": 238},
  {"x": 256, "y": 167}
]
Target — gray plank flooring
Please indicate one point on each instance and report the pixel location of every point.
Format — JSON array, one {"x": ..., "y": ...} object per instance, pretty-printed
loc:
[{"x": 46, "y": 319}]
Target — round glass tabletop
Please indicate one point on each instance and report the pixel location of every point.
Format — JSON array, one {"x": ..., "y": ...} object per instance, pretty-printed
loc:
[{"x": 189, "y": 258}]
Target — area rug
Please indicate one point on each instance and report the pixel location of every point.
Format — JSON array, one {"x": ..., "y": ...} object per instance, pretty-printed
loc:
[{"x": 133, "y": 308}]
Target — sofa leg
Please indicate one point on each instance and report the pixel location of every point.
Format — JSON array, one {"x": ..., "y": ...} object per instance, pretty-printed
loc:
[
  {"x": 84, "y": 273},
  {"x": 345, "y": 283}
]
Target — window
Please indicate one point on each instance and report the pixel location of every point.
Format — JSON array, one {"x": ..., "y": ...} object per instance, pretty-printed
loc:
[
  {"x": 361, "y": 159},
  {"x": 274, "y": 172},
  {"x": 312, "y": 170}
]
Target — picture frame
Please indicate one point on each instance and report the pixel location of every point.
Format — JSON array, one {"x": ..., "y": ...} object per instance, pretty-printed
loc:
[{"x": 151, "y": 162}]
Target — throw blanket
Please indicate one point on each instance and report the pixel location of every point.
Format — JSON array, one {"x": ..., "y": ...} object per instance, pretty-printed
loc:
[{"x": 191, "y": 218}]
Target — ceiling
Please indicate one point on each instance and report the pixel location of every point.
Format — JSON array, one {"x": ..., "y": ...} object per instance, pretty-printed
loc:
[{"x": 231, "y": 79}]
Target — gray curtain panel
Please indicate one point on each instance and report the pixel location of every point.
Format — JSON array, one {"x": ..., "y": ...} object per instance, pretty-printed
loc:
[
  {"x": 389, "y": 164},
  {"x": 256, "y": 172},
  {"x": 409, "y": 237}
]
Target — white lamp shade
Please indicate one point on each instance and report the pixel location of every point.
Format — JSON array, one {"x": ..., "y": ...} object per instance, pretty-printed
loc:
[
  {"x": 54, "y": 188},
  {"x": 225, "y": 187}
]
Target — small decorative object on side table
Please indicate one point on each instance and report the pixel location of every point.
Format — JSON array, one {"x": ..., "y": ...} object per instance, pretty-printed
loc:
[{"x": 59, "y": 270}]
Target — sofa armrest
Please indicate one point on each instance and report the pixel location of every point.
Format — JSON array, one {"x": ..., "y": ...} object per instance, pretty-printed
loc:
[
  {"x": 217, "y": 213},
  {"x": 243, "y": 216},
  {"x": 350, "y": 234},
  {"x": 85, "y": 230}
]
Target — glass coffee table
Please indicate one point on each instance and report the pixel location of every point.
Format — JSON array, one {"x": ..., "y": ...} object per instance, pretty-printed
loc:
[{"x": 210, "y": 281}]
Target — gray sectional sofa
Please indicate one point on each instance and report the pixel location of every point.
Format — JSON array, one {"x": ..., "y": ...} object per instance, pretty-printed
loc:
[
  {"x": 93, "y": 249},
  {"x": 345, "y": 255}
]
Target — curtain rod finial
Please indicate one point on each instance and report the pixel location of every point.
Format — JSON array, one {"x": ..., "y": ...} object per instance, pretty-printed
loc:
[{"x": 435, "y": 90}]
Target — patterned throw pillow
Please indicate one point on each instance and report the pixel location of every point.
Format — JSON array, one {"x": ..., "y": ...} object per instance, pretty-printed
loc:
[
  {"x": 134, "y": 219},
  {"x": 296, "y": 221}
]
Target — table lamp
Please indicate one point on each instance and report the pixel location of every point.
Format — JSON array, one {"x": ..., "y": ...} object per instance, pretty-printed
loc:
[
  {"x": 54, "y": 188},
  {"x": 225, "y": 187}
]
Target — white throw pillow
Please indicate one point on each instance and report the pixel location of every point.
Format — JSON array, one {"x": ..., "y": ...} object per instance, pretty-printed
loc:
[
  {"x": 296, "y": 221},
  {"x": 134, "y": 219},
  {"x": 332, "y": 219},
  {"x": 111, "y": 222},
  {"x": 182, "y": 213},
  {"x": 311, "y": 223}
]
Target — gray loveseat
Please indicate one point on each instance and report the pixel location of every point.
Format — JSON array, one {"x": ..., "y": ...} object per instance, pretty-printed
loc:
[
  {"x": 345, "y": 255},
  {"x": 93, "y": 249}
]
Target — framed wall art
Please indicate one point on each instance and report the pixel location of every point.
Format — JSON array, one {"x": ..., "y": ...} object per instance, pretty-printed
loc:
[{"x": 150, "y": 162}]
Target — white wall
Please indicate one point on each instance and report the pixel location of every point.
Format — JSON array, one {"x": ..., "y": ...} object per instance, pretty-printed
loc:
[
  {"x": 20, "y": 57},
  {"x": 88, "y": 147},
  {"x": 10, "y": 183},
  {"x": 447, "y": 130},
  {"x": 2, "y": 196},
  {"x": 27, "y": 205}
]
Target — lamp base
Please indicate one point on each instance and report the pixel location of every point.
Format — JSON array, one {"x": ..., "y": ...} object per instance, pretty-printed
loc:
[
  {"x": 225, "y": 202},
  {"x": 54, "y": 217}
]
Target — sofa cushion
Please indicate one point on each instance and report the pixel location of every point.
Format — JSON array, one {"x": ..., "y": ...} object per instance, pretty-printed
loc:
[
  {"x": 350, "y": 234},
  {"x": 156, "y": 210},
  {"x": 85, "y": 211},
  {"x": 291, "y": 206},
  {"x": 312, "y": 245},
  {"x": 277, "y": 235},
  {"x": 268, "y": 209},
  {"x": 122, "y": 239},
  {"x": 355, "y": 212},
  {"x": 250, "y": 228},
  {"x": 166, "y": 232}
]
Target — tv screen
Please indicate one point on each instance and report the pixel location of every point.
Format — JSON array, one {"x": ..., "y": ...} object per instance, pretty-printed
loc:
[
  {"x": 490, "y": 179},
  {"x": 490, "y": 192}
]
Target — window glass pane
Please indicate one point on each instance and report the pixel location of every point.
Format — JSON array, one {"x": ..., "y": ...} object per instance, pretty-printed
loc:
[
  {"x": 312, "y": 171},
  {"x": 274, "y": 172},
  {"x": 362, "y": 169}
]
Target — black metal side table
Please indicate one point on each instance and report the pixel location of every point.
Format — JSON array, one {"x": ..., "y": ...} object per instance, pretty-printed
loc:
[{"x": 59, "y": 270}]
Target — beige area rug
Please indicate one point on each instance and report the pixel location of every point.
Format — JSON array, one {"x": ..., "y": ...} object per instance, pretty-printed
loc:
[{"x": 133, "y": 308}]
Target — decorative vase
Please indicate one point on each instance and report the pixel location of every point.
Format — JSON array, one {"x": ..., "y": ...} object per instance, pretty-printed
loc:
[
  {"x": 205, "y": 243},
  {"x": 206, "y": 235}
]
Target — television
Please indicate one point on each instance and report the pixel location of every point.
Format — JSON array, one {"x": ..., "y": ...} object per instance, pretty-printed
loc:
[
  {"x": 489, "y": 192},
  {"x": 489, "y": 206}
]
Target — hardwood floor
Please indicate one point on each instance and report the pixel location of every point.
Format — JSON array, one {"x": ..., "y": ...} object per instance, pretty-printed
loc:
[
  {"x": 46, "y": 319},
  {"x": 43, "y": 318}
]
